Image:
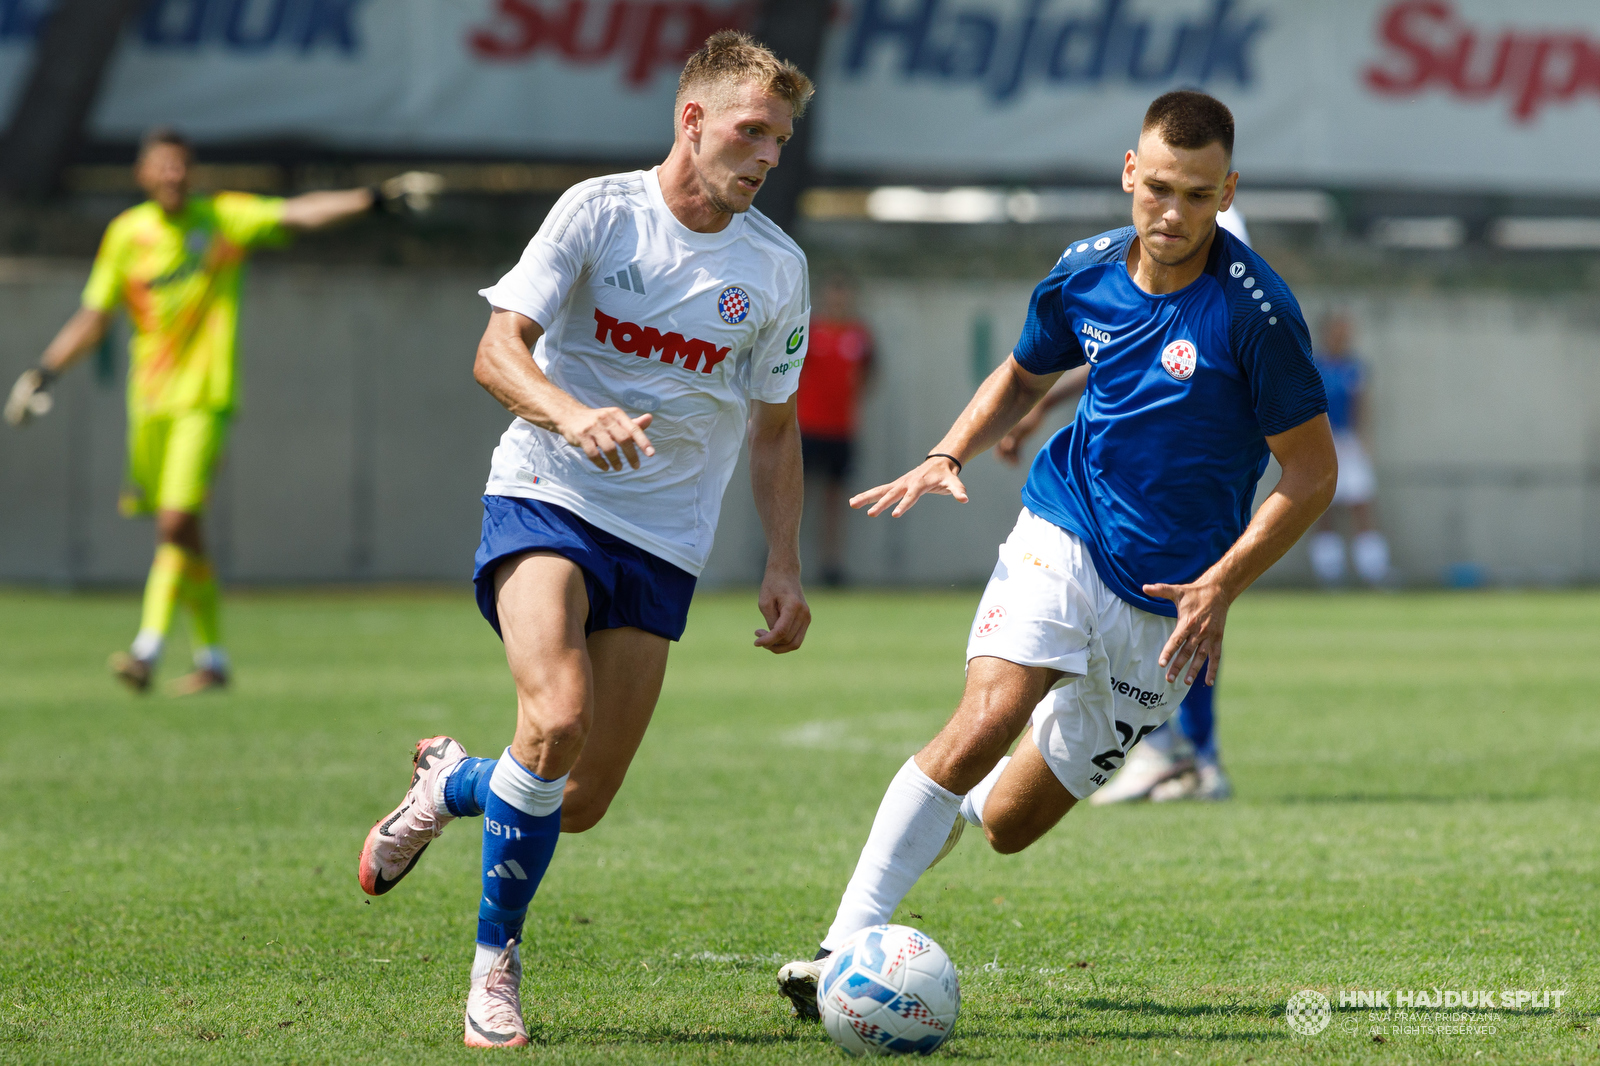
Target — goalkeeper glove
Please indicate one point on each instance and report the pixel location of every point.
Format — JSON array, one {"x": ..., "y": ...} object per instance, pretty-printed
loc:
[
  {"x": 412, "y": 191},
  {"x": 30, "y": 397}
]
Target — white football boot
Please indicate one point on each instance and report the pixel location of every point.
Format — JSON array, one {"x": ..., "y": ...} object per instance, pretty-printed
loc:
[
  {"x": 397, "y": 841},
  {"x": 1146, "y": 768},
  {"x": 798, "y": 981},
  {"x": 1207, "y": 781},
  {"x": 494, "y": 1006}
]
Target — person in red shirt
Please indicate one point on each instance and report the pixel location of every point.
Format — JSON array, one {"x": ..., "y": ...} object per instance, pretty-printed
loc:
[{"x": 837, "y": 371}]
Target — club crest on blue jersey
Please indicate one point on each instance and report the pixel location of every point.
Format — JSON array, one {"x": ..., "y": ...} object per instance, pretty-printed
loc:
[
  {"x": 733, "y": 305},
  {"x": 1179, "y": 359}
]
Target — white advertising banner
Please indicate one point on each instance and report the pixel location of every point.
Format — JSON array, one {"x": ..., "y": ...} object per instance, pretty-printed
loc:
[{"x": 1420, "y": 93}]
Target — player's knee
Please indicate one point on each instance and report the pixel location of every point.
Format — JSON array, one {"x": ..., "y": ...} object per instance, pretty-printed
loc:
[{"x": 1009, "y": 836}]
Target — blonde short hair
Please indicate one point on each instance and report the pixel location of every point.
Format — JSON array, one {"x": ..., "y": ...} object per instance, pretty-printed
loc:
[{"x": 730, "y": 58}]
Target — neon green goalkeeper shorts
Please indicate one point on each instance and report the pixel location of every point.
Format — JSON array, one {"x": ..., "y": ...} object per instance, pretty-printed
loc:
[{"x": 170, "y": 461}]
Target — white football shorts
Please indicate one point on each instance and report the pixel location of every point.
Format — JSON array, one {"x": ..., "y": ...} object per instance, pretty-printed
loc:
[
  {"x": 1357, "y": 482},
  {"x": 1045, "y": 605}
]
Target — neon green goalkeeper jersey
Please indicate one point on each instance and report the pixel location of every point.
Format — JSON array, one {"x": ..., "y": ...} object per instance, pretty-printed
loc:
[{"x": 180, "y": 277}]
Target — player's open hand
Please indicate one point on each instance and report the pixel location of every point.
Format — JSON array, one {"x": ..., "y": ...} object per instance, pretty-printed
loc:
[
  {"x": 28, "y": 399},
  {"x": 937, "y": 475},
  {"x": 1197, "y": 638},
  {"x": 784, "y": 606},
  {"x": 608, "y": 436}
]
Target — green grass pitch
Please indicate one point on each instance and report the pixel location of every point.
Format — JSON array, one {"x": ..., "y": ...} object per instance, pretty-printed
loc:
[{"x": 1418, "y": 808}]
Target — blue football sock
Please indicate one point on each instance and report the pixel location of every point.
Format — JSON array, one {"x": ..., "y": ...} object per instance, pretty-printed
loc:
[
  {"x": 1197, "y": 720},
  {"x": 466, "y": 790},
  {"x": 521, "y": 824}
]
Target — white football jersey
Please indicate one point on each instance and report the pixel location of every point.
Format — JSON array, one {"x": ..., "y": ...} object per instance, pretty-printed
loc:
[{"x": 642, "y": 313}]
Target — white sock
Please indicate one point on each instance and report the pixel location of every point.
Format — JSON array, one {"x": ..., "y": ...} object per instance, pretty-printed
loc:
[
  {"x": 972, "y": 805},
  {"x": 1327, "y": 557},
  {"x": 1370, "y": 552},
  {"x": 147, "y": 645},
  {"x": 912, "y": 823},
  {"x": 484, "y": 957},
  {"x": 211, "y": 658}
]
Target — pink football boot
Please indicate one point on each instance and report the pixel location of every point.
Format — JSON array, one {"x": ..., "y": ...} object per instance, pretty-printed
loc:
[
  {"x": 494, "y": 1006},
  {"x": 396, "y": 843}
]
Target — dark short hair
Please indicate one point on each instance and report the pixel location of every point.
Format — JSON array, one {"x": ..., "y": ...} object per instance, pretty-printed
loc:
[
  {"x": 1188, "y": 118},
  {"x": 159, "y": 135}
]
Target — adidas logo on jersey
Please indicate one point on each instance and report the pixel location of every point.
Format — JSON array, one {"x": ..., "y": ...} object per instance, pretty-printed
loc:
[
  {"x": 630, "y": 338},
  {"x": 628, "y": 279}
]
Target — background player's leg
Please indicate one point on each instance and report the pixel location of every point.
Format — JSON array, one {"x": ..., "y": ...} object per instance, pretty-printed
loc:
[
  {"x": 1026, "y": 803},
  {"x": 628, "y": 666},
  {"x": 924, "y": 799},
  {"x": 1197, "y": 721}
]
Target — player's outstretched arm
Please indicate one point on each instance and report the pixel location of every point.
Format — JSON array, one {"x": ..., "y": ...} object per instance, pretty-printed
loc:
[
  {"x": 1066, "y": 390},
  {"x": 413, "y": 190},
  {"x": 1310, "y": 471},
  {"x": 29, "y": 396},
  {"x": 777, "y": 477},
  {"x": 1003, "y": 398},
  {"x": 506, "y": 370}
]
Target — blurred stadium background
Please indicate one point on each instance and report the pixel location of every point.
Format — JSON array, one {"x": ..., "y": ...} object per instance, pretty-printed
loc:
[{"x": 1431, "y": 167}]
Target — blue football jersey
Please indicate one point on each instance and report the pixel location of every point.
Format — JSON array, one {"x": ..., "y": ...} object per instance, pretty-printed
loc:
[
  {"x": 1158, "y": 471},
  {"x": 1342, "y": 379}
]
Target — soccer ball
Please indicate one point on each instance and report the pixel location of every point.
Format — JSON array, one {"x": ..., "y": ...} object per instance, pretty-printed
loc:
[{"x": 889, "y": 990}]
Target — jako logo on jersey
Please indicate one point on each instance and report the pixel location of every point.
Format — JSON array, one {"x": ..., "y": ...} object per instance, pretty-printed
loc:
[
  {"x": 1179, "y": 359},
  {"x": 733, "y": 305},
  {"x": 796, "y": 339},
  {"x": 993, "y": 619},
  {"x": 1097, "y": 337},
  {"x": 630, "y": 338}
]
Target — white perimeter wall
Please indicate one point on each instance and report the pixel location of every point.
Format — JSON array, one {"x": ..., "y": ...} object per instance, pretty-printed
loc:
[{"x": 363, "y": 442}]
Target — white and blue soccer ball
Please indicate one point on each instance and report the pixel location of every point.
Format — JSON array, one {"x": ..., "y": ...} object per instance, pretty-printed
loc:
[{"x": 889, "y": 990}]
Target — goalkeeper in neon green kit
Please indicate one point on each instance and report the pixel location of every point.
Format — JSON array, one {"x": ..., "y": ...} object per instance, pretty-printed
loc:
[{"x": 175, "y": 262}]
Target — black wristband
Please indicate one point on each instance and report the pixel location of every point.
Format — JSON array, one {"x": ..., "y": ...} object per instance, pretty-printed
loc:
[
  {"x": 945, "y": 455},
  {"x": 379, "y": 204},
  {"x": 46, "y": 376}
]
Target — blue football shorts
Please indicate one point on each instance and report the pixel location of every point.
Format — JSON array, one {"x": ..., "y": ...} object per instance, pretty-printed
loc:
[{"x": 627, "y": 585}]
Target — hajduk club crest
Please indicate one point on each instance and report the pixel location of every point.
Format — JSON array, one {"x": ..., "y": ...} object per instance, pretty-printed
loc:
[
  {"x": 733, "y": 305},
  {"x": 1179, "y": 359}
]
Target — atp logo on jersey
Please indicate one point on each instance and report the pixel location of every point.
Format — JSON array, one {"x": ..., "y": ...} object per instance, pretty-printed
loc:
[
  {"x": 1179, "y": 359},
  {"x": 733, "y": 305},
  {"x": 992, "y": 620}
]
